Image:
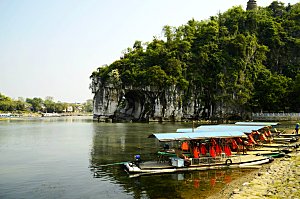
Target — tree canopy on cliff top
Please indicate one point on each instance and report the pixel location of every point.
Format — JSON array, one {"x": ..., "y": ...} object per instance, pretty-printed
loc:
[{"x": 244, "y": 58}]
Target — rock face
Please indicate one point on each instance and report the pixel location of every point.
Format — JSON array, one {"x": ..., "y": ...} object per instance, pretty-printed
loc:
[{"x": 115, "y": 102}]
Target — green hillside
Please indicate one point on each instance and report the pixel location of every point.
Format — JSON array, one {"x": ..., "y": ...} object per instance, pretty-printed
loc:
[{"x": 249, "y": 60}]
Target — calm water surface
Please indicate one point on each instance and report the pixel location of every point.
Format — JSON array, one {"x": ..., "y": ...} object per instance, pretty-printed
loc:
[{"x": 72, "y": 157}]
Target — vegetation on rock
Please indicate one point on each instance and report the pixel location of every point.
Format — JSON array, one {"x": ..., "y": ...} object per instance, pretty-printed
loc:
[{"x": 241, "y": 60}]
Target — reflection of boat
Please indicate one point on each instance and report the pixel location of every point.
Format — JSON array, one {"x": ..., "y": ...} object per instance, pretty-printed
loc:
[{"x": 206, "y": 150}]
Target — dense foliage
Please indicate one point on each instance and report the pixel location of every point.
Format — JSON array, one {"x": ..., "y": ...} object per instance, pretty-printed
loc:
[{"x": 248, "y": 60}]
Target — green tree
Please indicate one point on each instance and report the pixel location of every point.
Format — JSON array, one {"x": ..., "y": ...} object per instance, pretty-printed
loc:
[
  {"x": 294, "y": 96},
  {"x": 36, "y": 104},
  {"x": 271, "y": 91},
  {"x": 6, "y": 103},
  {"x": 60, "y": 107},
  {"x": 88, "y": 106}
]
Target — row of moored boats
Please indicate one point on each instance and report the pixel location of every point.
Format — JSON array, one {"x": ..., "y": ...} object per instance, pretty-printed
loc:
[{"x": 242, "y": 145}]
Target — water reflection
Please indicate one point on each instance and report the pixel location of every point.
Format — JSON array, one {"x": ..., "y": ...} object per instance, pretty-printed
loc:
[
  {"x": 114, "y": 143},
  {"x": 117, "y": 143},
  {"x": 197, "y": 184},
  {"x": 64, "y": 158}
]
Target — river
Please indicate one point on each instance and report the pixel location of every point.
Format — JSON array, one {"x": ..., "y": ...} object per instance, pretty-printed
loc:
[{"x": 72, "y": 157}]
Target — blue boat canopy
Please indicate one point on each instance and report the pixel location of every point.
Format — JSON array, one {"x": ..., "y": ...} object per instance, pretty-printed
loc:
[
  {"x": 257, "y": 123},
  {"x": 164, "y": 137},
  {"x": 222, "y": 128}
]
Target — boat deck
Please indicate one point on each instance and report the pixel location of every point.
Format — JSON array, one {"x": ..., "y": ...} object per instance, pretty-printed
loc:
[
  {"x": 275, "y": 145},
  {"x": 235, "y": 159},
  {"x": 262, "y": 152},
  {"x": 289, "y": 135},
  {"x": 246, "y": 158},
  {"x": 269, "y": 149},
  {"x": 155, "y": 165}
]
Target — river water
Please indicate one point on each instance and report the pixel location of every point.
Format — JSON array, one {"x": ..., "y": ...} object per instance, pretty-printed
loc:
[{"x": 72, "y": 157}]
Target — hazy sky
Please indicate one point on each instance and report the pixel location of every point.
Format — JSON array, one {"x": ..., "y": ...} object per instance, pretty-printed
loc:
[{"x": 51, "y": 47}]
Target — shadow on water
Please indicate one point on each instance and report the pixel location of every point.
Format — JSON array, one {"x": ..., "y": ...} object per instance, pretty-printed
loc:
[{"x": 117, "y": 143}]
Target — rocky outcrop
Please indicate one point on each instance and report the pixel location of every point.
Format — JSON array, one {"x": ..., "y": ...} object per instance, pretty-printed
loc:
[{"x": 115, "y": 102}]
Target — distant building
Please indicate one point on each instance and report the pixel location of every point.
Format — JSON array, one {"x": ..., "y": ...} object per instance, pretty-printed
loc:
[
  {"x": 50, "y": 115},
  {"x": 5, "y": 115},
  {"x": 251, "y": 5},
  {"x": 70, "y": 109}
]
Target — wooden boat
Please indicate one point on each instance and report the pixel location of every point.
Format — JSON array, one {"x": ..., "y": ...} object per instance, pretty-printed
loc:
[
  {"x": 154, "y": 167},
  {"x": 168, "y": 162},
  {"x": 273, "y": 154},
  {"x": 258, "y": 130},
  {"x": 273, "y": 149},
  {"x": 285, "y": 139},
  {"x": 280, "y": 136},
  {"x": 289, "y": 135},
  {"x": 278, "y": 145},
  {"x": 254, "y": 134}
]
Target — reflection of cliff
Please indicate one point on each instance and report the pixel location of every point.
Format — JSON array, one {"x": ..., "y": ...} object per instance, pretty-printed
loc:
[{"x": 120, "y": 142}]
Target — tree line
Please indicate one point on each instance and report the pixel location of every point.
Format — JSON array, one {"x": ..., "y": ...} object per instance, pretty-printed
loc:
[
  {"x": 37, "y": 104},
  {"x": 241, "y": 60}
]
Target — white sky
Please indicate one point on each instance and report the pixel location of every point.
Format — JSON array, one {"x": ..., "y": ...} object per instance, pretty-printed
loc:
[{"x": 51, "y": 47}]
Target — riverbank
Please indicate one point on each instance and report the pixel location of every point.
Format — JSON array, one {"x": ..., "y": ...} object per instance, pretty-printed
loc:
[
  {"x": 279, "y": 179},
  {"x": 37, "y": 115}
]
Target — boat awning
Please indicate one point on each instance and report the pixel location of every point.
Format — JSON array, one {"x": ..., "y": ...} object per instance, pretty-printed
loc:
[
  {"x": 257, "y": 123},
  {"x": 222, "y": 128},
  {"x": 164, "y": 137}
]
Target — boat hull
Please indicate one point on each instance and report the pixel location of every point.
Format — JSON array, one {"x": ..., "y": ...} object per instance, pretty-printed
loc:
[{"x": 248, "y": 161}]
